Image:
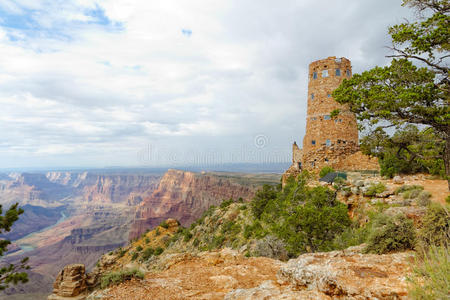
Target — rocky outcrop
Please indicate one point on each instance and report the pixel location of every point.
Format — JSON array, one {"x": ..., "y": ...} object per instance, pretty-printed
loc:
[
  {"x": 349, "y": 274},
  {"x": 185, "y": 196},
  {"x": 70, "y": 283},
  {"x": 227, "y": 274}
]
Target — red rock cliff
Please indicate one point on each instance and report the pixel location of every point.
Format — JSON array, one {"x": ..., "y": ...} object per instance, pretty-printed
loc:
[{"x": 185, "y": 196}]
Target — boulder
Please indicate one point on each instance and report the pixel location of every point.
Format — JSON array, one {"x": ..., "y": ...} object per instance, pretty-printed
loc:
[
  {"x": 349, "y": 275},
  {"x": 70, "y": 283},
  {"x": 398, "y": 180}
]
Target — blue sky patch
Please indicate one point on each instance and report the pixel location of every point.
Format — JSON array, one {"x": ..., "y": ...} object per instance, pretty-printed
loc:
[
  {"x": 186, "y": 32},
  {"x": 27, "y": 23}
]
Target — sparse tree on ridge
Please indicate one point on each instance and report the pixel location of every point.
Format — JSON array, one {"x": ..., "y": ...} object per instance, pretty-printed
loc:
[{"x": 11, "y": 273}]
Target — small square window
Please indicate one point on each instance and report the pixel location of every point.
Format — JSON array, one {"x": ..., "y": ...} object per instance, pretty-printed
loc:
[
  {"x": 312, "y": 96},
  {"x": 327, "y": 117},
  {"x": 328, "y": 143},
  {"x": 329, "y": 95},
  {"x": 348, "y": 73},
  {"x": 313, "y": 142},
  {"x": 338, "y": 72},
  {"x": 325, "y": 73},
  {"x": 326, "y": 159},
  {"x": 314, "y": 75},
  {"x": 314, "y": 118}
]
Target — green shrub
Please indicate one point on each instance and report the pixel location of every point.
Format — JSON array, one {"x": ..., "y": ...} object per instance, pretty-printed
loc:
[
  {"x": 307, "y": 219},
  {"x": 447, "y": 200},
  {"x": 226, "y": 203},
  {"x": 431, "y": 274},
  {"x": 164, "y": 225},
  {"x": 406, "y": 188},
  {"x": 325, "y": 170},
  {"x": 134, "y": 256},
  {"x": 352, "y": 236},
  {"x": 121, "y": 252},
  {"x": 424, "y": 198},
  {"x": 272, "y": 247},
  {"x": 139, "y": 248},
  {"x": 187, "y": 236},
  {"x": 157, "y": 233},
  {"x": 262, "y": 197},
  {"x": 375, "y": 189},
  {"x": 217, "y": 241},
  {"x": 435, "y": 229},
  {"x": 196, "y": 242},
  {"x": 113, "y": 278},
  {"x": 147, "y": 240},
  {"x": 389, "y": 234},
  {"x": 158, "y": 251},
  {"x": 148, "y": 252}
]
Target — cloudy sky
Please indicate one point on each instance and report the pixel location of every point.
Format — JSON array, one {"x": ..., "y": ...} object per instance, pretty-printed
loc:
[{"x": 86, "y": 83}]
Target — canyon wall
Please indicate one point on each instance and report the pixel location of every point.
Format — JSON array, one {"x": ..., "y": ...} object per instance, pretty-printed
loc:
[{"x": 185, "y": 196}]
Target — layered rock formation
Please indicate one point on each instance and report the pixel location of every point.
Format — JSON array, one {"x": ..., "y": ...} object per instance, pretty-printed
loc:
[
  {"x": 70, "y": 283},
  {"x": 185, "y": 196},
  {"x": 57, "y": 188}
]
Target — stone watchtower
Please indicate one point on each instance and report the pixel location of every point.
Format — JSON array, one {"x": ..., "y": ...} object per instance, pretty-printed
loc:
[{"x": 328, "y": 141}]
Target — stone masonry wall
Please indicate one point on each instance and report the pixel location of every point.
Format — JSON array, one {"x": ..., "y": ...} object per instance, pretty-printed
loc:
[{"x": 328, "y": 140}]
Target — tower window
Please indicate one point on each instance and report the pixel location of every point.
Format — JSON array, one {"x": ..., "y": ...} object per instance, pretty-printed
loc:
[
  {"x": 329, "y": 95},
  {"x": 325, "y": 73},
  {"x": 348, "y": 73},
  {"x": 314, "y": 75},
  {"x": 312, "y": 96},
  {"x": 312, "y": 164},
  {"x": 327, "y": 117},
  {"x": 338, "y": 72},
  {"x": 326, "y": 159},
  {"x": 328, "y": 143},
  {"x": 314, "y": 118},
  {"x": 313, "y": 142}
]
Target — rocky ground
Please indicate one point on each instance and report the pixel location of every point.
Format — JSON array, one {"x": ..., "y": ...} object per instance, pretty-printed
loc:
[{"x": 227, "y": 274}]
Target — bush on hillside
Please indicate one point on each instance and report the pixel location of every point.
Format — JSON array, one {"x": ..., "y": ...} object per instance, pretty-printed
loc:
[
  {"x": 164, "y": 225},
  {"x": 159, "y": 251},
  {"x": 424, "y": 198},
  {"x": 305, "y": 219},
  {"x": 272, "y": 247},
  {"x": 226, "y": 203},
  {"x": 435, "y": 229},
  {"x": 375, "y": 189},
  {"x": 148, "y": 252},
  {"x": 113, "y": 278},
  {"x": 390, "y": 234},
  {"x": 262, "y": 197},
  {"x": 325, "y": 170}
]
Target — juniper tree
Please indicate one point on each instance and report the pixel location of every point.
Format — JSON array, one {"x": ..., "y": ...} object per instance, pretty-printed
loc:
[{"x": 402, "y": 92}]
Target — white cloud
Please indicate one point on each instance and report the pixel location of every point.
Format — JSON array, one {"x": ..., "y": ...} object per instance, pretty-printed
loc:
[{"x": 75, "y": 86}]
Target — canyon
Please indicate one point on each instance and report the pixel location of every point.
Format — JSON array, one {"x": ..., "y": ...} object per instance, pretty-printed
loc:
[{"x": 75, "y": 217}]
